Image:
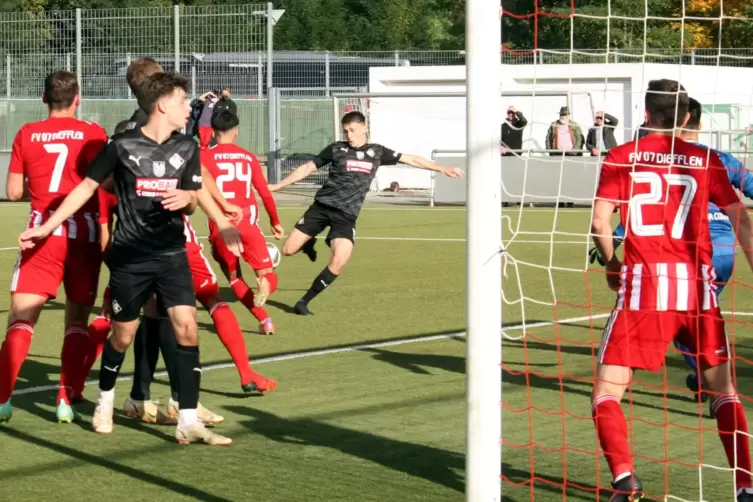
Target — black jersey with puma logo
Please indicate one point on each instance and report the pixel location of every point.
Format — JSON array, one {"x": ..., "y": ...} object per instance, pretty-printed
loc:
[
  {"x": 351, "y": 173},
  {"x": 144, "y": 171}
]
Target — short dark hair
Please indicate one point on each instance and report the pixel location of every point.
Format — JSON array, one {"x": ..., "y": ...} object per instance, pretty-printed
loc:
[
  {"x": 160, "y": 85},
  {"x": 695, "y": 109},
  {"x": 60, "y": 89},
  {"x": 121, "y": 127},
  {"x": 225, "y": 120},
  {"x": 139, "y": 71},
  {"x": 353, "y": 117},
  {"x": 666, "y": 103}
]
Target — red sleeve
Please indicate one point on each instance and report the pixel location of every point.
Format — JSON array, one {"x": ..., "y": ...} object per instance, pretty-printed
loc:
[
  {"x": 206, "y": 161},
  {"x": 260, "y": 184},
  {"x": 609, "y": 179},
  {"x": 107, "y": 203},
  {"x": 721, "y": 191},
  {"x": 16, "y": 156}
]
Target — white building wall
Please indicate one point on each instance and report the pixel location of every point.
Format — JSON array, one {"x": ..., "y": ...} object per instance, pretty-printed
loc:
[{"x": 421, "y": 125}]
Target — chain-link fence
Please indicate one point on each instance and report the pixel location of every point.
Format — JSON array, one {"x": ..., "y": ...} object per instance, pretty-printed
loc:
[{"x": 218, "y": 46}]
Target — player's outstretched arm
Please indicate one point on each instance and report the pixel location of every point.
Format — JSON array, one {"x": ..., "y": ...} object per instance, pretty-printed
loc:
[
  {"x": 72, "y": 203},
  {"x": 298, "y": 174},
  {"x": 601, "y": 229},
  {"x": 261, "y": 186},
  {"x": 738, "y": 217},
  {"x": 422, "y": 163},
  {"x": 229, "y": 233}
]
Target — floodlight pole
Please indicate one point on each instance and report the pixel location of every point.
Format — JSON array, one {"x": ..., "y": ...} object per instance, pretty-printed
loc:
[{"x": 484, "y": 239}]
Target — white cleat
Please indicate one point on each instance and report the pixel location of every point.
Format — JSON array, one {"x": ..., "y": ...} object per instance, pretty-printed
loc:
[
  {"x": 102, "y": 419},
  {"x": 198, "y": 433}
]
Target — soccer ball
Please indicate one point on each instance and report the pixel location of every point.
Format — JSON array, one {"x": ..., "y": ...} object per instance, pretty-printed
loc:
[{"x": 274, "y": 254}]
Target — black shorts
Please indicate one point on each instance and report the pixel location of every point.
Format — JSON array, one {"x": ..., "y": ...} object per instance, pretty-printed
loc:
[
  {"x": 318, "y": 217},
  {"x": 133, "y": 280}
]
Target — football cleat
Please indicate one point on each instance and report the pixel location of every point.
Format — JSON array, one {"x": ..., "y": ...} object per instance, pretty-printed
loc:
[
  {"x": 6, "y": 411},
  {"x": 198, "y": 433},
  {"x": 203, "y": 414},
  {"x": 262, "y": 292},
  {"x": 65, "y": 413},
  {"x": 147, "y": 411},
  {"x": 267, "y": 327},
  {"x": 628, "y": 489},
  {"x": 102, "y": 419},
  {"x": 308, "y": 249},
  {"x": 301, "y": 308},
  {"x": 259, "y": 385},
  {"x": 691, "y": 382}
]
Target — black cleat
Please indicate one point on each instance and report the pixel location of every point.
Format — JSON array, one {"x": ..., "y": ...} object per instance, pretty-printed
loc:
[
  {"x": 251, "y": 388},
  {"x": 745, "y": 496},
  {"x": 308, "y": 249},
  {"x": 692, "y": 384},
  {"x": 302, "y": 309},
  {"x": 629, "y": 489}
]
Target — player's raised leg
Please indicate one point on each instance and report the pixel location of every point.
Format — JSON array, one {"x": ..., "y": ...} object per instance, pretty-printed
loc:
[{"x": 341, "y": 250}]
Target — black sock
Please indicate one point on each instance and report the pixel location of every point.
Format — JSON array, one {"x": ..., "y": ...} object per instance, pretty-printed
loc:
[
  {"x": 189, "y": 377},
  {"x": 324, "y": 279},
  {"x": 168, "y": 345},
  {"x": 112, "y": 360},
  {"x": 146, "y": 354}
]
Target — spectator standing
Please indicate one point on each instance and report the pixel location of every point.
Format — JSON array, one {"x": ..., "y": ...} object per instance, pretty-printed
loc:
[
  {"x": 512, "y": 131},
  {"x": 565, "y": 135},
  {"x": 600, "y": 137},
  {"x": 225, "y": 102}
]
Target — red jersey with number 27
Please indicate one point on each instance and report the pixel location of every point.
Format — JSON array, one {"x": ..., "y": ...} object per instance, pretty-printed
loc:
[
  {"x": 662, "y": 186},
  {"x": 53, "y": 155},
  {"x": 235, "y": 170}
]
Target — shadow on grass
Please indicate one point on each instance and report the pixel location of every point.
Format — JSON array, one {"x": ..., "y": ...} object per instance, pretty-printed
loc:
[{"x": 115, "y": 467}]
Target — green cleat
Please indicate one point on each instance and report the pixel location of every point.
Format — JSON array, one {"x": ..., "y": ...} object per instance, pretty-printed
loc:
[
  {"x": 65, "y": 413},
  {"x": 6, "y": 411}
]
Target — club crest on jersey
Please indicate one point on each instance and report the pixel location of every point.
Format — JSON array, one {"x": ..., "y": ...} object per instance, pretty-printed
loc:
[
  {"x": 159, "y": 168},
  {"x": 370, "y": 152},
  {"x": 176, "y": 161},
  {"x": 360, "y": 155}
]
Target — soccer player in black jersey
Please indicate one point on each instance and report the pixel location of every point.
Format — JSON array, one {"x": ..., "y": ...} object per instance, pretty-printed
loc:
[
  {"x": 354, "y": 164},
  {"x": 157, "y": 176}
]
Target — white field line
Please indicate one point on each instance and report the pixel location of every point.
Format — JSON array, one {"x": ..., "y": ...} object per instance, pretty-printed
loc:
[{"x": 327, "y": 352}]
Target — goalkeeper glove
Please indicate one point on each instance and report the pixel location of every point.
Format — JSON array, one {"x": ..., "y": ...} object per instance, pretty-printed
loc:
[{"x": 594, "y": 255}]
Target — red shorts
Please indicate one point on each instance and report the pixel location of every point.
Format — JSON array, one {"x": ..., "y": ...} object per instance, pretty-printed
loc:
[
  {"x": 204, "y": 281},
  {"x": 205, "y": 136},
  {"x": 639, "y": 339},
  {"x": 254, "y": 247},
  {"x": 42, "y": 269}
]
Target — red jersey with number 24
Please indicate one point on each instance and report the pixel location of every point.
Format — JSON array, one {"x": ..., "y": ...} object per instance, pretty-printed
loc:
[
  {"x": 53, "y": 155},
  {"x": 235, "y": 170},
  {"x": 662, "y": 186}
]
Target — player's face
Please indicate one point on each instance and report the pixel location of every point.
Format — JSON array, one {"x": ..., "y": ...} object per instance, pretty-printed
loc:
[
  {"x": 177, "y": 108},
  {"x": 355, "y": 134}
]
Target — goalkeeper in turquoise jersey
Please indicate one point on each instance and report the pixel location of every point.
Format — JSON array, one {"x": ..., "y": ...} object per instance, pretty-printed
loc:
[{"x": 720, "y": 228}]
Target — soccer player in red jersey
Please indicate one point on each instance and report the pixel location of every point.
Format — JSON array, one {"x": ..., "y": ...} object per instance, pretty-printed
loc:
[
  {"x": 235, "y": 170},
  {"x": 50, "y": 159},
  {"x": 662, "y": 186}
]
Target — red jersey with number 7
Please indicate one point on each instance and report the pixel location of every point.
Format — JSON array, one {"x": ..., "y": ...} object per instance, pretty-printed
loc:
[
  {"x": 53, "y": 155},
  {"x": 662, "y": 187},
  {"x": 235, "y": 170}
]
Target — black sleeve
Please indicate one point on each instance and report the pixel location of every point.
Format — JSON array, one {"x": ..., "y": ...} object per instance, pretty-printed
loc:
[
  {"x": 522, "y": 121},
  {"x": 324, "y": 157},
  {"x": 104, "y": 163},
  {"x": 191, "y": 179},
  {"x": 390, "y": 157}
]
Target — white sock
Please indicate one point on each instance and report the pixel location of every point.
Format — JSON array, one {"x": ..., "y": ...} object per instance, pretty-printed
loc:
[
  {"x": 622, "y": 476},
  {"x": 187, "y": 417},
  {"x": 107, "y": 396}
]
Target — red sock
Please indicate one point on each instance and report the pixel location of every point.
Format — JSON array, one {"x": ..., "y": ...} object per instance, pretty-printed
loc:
[
  {"x": 98, "y": 331},
  {"x": 246, "y": 296},
  {"x": 272, "y": 279},
  {"x": 730, "y": 417},
  {"x": 611, "y": 427},
  {"x": 73, "y": 358},
  {"x": 231, "y": 337},
  {"x": 12, "y": 355}
]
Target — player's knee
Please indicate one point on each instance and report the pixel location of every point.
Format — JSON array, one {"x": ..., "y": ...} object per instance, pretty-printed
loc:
[
  {"x": 123, "y": 334},
  {"x": 289, "y": 249},
  {"x": 338, "y": 260},
  {"x": 25, "y": 307},
  {"x": 184, "y": 325}
]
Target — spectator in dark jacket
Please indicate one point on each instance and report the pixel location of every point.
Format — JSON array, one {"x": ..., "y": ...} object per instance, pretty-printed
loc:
[
  {"x": 600, "y": 138},
  {"x": 225, "y": 102},
  {"x": 512, "y": 131}
]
